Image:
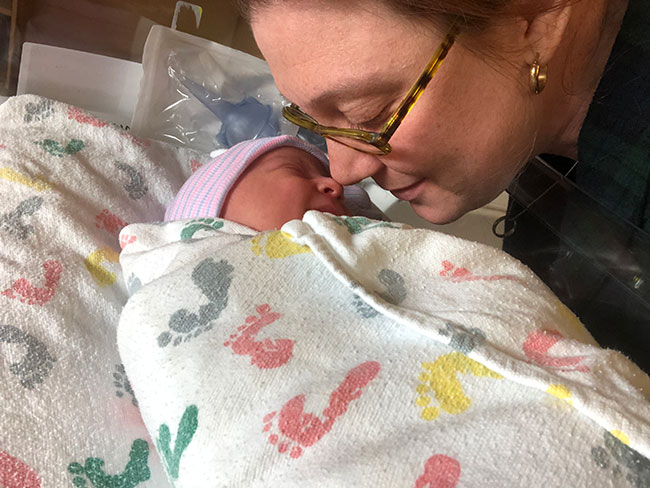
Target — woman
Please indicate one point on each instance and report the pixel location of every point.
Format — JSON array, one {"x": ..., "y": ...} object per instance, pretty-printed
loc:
[{"x": 518, "y": 79}]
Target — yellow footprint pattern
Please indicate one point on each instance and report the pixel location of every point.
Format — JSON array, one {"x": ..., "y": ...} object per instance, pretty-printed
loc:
[
  {"x": 560, "y": 391},
  {"x": 101, "y": 275},
  {"x": 38, "y": 184},
  {"x": 440, "y": 377},
  {"x": 278, "y": 245}
]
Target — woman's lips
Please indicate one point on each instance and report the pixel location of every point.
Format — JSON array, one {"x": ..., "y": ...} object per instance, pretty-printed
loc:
[{"x": 408, "y": 193}]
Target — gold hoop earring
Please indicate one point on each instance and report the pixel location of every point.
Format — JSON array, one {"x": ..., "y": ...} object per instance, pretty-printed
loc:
[{"x": 538, "y": 76}]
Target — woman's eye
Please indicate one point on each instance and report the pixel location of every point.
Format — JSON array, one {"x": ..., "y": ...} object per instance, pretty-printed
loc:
[{"x": 374, "y": 123}]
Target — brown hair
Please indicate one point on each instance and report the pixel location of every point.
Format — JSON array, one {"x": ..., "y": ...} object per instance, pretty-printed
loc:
[{"x": 469, "y": 15}]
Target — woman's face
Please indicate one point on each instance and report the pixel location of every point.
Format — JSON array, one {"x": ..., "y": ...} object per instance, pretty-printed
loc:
[{"x": 465, "y": 139}]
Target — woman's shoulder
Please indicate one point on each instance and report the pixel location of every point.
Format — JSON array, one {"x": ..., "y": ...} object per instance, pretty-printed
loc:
[{"x": 614, "y": 144}]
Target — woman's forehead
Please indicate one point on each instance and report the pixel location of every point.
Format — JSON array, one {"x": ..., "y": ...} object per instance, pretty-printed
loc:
[{"x": 314, "y": 53}]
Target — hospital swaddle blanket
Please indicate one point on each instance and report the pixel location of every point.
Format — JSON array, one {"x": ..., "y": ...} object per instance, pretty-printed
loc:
[
  {"x": 69, "y": 182},
  {"x": 348, "y": 352}
]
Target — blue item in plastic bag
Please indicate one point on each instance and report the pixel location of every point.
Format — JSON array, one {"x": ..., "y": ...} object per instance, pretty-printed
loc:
[{"x": 248, "y": 119}]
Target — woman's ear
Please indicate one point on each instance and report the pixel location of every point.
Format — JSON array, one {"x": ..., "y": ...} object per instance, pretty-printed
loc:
[{"x": 543, "y": 31}]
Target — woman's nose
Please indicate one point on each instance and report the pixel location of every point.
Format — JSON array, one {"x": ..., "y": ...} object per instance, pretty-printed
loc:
[
  {"x": 330, "y": 187},
  {"x": 348, "y": 166}
]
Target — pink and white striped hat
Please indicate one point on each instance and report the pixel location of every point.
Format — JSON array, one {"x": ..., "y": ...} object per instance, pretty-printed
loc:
[{"x": 205, "y": 192}]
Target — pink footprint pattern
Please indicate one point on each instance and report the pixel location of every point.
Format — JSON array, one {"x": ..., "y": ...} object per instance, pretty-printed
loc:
[
  {"x": 539, "y": 342},
  {"x": 125, "y": 240},
  {"x": 195, "y": 164},
  {"x": 299, "y": 430},
  {"x": 458, "y": 275},
  {"x": 266, "y": 353},
  {"x": 440, "y": 471},
  {"x": 109, "y": 221},
  {"x": 33, "y": 295},
  {"x": 16, "y": 474},
  {"x": 83, "y": 118}
]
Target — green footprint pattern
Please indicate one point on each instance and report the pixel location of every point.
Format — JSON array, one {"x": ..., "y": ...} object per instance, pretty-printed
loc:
[
  {"x": 213, "y": 279},
  {"x": 186, "y": 429},
  {"x": 357, "y": 225},
  {"x": 56, "y": 149},
  {"x": 135, "y": 472},
  {"x": 194, "y": 226}
]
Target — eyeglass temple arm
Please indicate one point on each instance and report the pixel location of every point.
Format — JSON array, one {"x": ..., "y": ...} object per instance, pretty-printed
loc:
[{"x": 418, "y": 87}]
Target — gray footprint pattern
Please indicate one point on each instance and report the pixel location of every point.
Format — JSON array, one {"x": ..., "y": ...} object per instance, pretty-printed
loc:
[
  {"x": 463, "y": 339},
  {"x": 133, "y": 284},
  {"x": 37, "y": 363},
  {"x": 616, "y": 454},
  {"x": 136, "y": 187},
  {"x": 213, "y": 279},
  {"x": 13, "y": 222},
  {"x": 394, "y": 293},
  {"x": 122, "y": 384},
  {"x": 36, "y": 112}
]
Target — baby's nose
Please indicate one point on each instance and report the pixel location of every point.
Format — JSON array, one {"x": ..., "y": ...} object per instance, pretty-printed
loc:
[{"x": 330, "y": 187}]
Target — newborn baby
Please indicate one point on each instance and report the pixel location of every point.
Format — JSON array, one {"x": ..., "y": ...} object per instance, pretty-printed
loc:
[{"x": 265, "y": 183}]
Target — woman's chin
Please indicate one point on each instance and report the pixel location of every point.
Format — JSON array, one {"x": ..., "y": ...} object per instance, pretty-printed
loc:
[{"x": 439, "y": 214}]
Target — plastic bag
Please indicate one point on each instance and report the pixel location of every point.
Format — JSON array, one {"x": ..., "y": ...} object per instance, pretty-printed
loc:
[{"x": 203, "y": 95}]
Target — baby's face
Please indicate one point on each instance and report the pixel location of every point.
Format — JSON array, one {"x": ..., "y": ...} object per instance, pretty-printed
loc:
[{"x": 279, "y": 186}]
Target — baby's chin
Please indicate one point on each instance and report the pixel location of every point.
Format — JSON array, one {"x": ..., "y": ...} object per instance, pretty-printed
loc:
[{"x": 337, "y": 210}]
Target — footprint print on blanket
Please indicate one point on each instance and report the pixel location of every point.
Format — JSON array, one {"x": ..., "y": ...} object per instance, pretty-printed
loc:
[
  {"x": 16, "y": 474},
  {"x": 616, "y": 454},
  {"x": 463, "y": 339},
  {"x": 440, "y": 471},
  {"x": 186, "y": 428},
  {"x": 136, "y": 187},
  {"x": 37, "y": 363},
  {"x": 109, "y": 221},
  {"x": 539, "y": 342},
  {"x": 135, "y": 472},
  {"x": 82, "y": 117},
  {"x": 126, "y": 239},
  {"x": 265, "y": 353},
  {"x": 193, "y": 226},
  {"x": 459, "y": 275},
  {"x": 357, "y": 225},
  {"x": 99, "y": 273},
  {"x": 133, "y": 284},
  {"x": 292, "y": 429},
  {"x": 213, "y": 279},
  {"x": 277, "y": 245},
  {"x": 395, "y": 293},
  {"x": 39, "y": 183},
  {"x": 440, "y": 378},
  {"x": 37, "y": 112},
  {"x": 13, "y": 222},
  {"x": 56, "y": 149},
  {"x": 122, "y": 384},
  {"x": 32, "y": 295}
]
